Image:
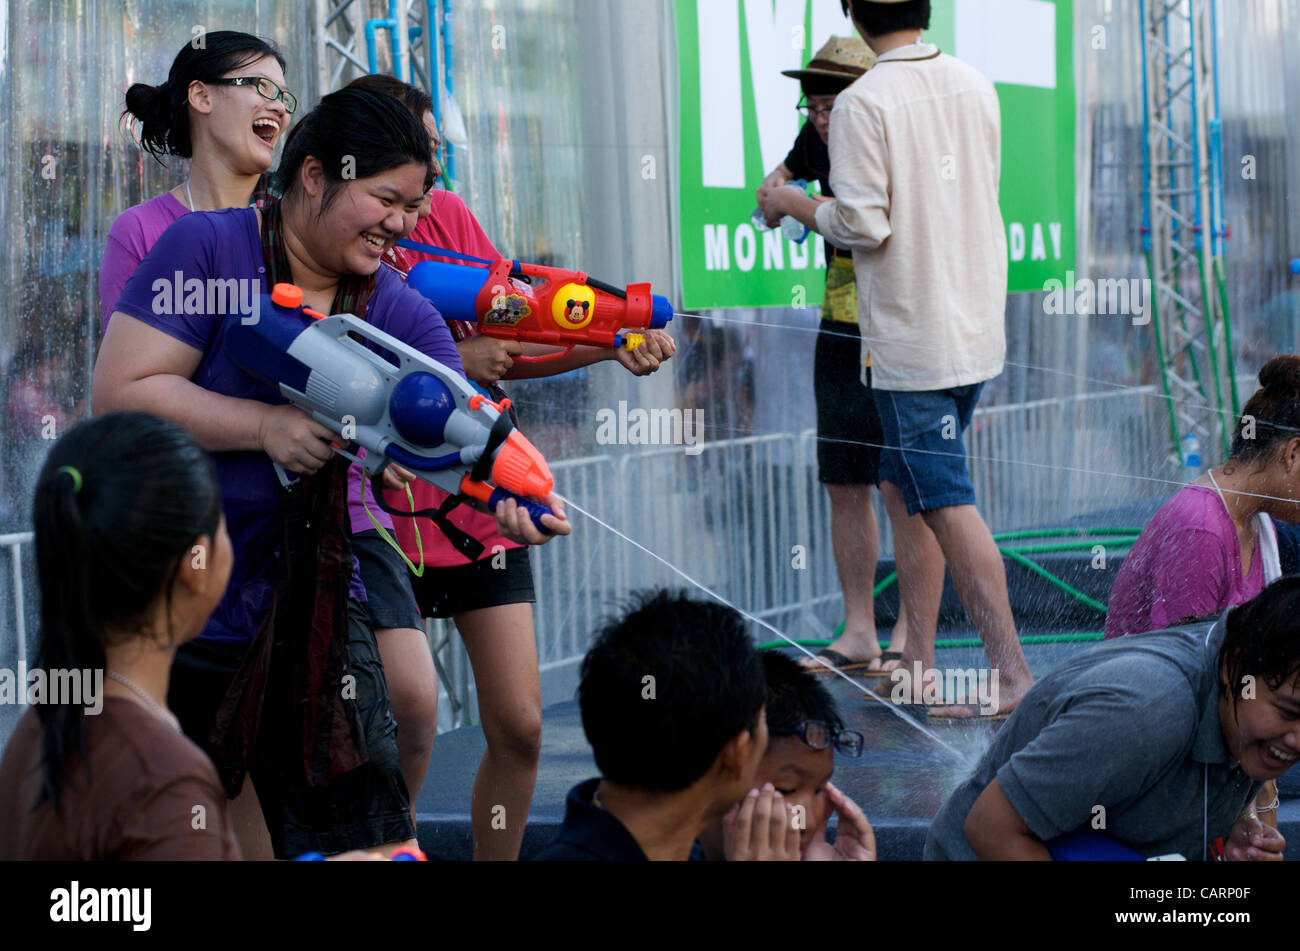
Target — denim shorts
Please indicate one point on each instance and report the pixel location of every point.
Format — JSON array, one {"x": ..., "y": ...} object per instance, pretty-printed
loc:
[{"x": 924, "y": 455}]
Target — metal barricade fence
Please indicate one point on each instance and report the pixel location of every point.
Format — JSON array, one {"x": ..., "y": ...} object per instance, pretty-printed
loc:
[
  {"x": 13, "y": 646},
  {"x": 747, "y": 518}
]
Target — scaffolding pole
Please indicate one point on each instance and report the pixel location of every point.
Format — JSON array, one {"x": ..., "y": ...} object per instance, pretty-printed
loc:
[{"x": 1183, "y": 229}]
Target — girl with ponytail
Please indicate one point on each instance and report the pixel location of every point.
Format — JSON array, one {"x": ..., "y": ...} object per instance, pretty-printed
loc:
[
  {"x": 224, "y": 106},
  {"x": 132, "y": 556}
]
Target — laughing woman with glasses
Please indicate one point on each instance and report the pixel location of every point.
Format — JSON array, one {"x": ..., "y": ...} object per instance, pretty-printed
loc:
[{"x": 224, "y": 108}]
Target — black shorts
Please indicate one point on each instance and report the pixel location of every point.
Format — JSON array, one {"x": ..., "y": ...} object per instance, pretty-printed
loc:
[
  {"x": 848, "y": 427},
  {"x": 446, "y": 592},
  {"x": 364, "y": 808},
  {"x": 390, "y": 602}
]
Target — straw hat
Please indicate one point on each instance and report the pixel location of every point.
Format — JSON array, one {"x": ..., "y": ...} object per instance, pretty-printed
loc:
[{"x": 843, "y": 57}]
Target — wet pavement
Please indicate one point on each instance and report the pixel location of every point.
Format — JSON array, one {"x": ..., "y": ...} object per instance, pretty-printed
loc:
[{"x": 900, "y": 781}]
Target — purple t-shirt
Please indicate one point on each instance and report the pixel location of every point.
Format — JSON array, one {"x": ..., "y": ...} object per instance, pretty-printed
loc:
[
  {"x": 134, "y": 232},
  {"x": 225, "y": 245},
  {"x": 1186, "y": 563}
]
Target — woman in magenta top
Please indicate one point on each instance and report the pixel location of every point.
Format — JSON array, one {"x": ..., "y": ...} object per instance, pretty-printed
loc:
[
  {"x": 1214, "y": 545},
  {"x": 489, "y": 598},
  {"x": 224, "y": 107}
]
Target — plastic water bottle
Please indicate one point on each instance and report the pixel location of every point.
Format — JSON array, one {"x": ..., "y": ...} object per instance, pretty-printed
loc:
[
  {"x": 792, "y": 228},
  {"x": 1191, "y": 456}
]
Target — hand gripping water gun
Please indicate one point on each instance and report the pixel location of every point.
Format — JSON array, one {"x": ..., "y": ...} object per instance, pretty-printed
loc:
[
  {"x": 560, "y": 307},
  {"x": 410, "y": 409}
]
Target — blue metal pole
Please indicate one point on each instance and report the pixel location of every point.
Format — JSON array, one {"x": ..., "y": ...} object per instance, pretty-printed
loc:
[
  {"x": 1198, "y": 224},
  {"x": 1218, "y": 218},
  {"x": 434, "y": 60},
  {"x": 447, "y": 45},
  {"x": 1146, "y": 136}
]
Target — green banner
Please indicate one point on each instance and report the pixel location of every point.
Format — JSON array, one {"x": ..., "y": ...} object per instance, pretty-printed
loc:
[{"x": 738, "y": 122}]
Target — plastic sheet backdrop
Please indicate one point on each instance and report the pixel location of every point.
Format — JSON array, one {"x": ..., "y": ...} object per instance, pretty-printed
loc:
[{"x": 69, "y": 167}]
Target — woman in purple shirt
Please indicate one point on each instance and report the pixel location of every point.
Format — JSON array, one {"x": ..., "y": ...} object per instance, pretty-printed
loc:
[
  {"x": 324, "y": 759},
  {"x": 224, "y": 107}
]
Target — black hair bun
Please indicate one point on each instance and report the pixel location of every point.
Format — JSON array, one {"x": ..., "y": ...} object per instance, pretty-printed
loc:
[
  {"x": 1282, "y": 372},
  {"x": 152, "y": 106}
]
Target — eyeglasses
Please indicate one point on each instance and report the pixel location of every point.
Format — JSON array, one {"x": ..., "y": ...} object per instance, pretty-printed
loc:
[
  {"x": 266, "y": 87},
  {"x": 813, "y": 112},
  {"x": 818, "y": 735}
]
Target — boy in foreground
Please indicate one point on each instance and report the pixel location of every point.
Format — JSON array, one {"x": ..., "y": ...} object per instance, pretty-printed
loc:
[{"x": 672, "y": 704}]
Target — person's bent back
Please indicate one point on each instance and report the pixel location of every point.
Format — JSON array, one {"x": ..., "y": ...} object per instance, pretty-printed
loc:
[{"x": 672, "y": 705}]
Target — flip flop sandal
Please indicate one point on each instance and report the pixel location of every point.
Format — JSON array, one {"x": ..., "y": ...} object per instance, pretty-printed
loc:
[
  {"x": 885, "y": 657},
  {"x": 838, "y": 661},
  {"x": 933, "y": 713}
]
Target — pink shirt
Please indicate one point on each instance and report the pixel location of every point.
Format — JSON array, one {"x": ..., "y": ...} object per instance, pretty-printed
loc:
[
  {"x": 133, "y": 233},
  {"x": 450, "y": 226},
  {"x": 1186, "y": 563}
]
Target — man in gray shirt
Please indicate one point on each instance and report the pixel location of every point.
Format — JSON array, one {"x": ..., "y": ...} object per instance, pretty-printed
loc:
[{"x": 1158, "y": 741}]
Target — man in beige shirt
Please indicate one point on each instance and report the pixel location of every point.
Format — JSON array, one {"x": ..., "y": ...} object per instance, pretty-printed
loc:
[{"x": 915, "y": 157}]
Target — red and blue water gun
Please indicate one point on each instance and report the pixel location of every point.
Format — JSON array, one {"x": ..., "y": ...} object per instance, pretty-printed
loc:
[{"x": 531, "y": 303}]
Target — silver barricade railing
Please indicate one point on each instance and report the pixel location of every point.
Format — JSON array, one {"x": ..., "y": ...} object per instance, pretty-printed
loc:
[
  {"x": 732, "y": 515},
  {"x": 14, "y": 543}
]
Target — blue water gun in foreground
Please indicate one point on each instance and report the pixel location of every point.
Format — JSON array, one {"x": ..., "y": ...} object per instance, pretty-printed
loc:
[{"x": 405, "y": 408}]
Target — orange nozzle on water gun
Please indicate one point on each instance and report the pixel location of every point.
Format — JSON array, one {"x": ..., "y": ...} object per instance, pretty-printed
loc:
[{"x": 518, "y": 470}]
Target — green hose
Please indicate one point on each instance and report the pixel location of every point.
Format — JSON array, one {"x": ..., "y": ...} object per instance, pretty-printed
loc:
[{"x": 1017, "y": 554}]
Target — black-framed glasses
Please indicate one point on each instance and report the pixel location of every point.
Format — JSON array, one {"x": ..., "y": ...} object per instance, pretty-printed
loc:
[
  {"x": 811, "y": 111},
  {"x": 267, "y": 88},
  {"x": 818, "y": 735}
]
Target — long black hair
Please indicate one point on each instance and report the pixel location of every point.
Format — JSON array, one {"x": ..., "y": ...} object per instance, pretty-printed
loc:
[
  {"x": 163, "y": 111},
  {"x": 413, "y": 97},
  {"x": 120, "y": 500},
  {"x": 354, "y": 133}
]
